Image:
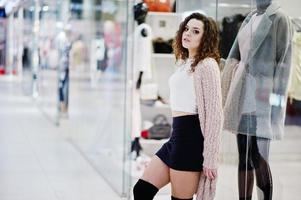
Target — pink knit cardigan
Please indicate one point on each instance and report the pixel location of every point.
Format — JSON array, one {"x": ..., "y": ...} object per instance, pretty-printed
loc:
[{"x": 209, "y": 102}]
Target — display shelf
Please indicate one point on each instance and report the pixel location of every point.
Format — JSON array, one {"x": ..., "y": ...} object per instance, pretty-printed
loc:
[
  {"x": 163, "y": 14},
  {"x": 163, "y": 24},
  {"x": 155, "y": 105},
  {"x": 149, "y": 112},
  {"x": 163, "y": 55}
]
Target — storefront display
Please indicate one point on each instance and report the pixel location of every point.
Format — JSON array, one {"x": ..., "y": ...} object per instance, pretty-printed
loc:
[
  {"x": 10, "y": 50},
  {"x": 64, "y": 46},
  {"x": 159, "y": 5},
  {"x": 253, "y": 147},
  {"x": 293, "y": 114},
  {"x": 2, "y": 45},
  {"x": 106, "y": 65},
  {"x": 2, "y": 39}
]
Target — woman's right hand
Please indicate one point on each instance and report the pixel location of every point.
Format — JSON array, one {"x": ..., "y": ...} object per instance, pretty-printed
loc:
[{"x": 210, "y": 173}]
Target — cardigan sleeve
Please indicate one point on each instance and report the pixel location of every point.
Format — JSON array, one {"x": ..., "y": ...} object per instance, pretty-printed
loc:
[{"x": 209, "y": 103}]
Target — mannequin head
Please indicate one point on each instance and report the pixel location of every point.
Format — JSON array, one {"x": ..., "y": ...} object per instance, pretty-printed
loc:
[
  {"x": 263, "y": 4},
  {"x": 140, "y": 12}
]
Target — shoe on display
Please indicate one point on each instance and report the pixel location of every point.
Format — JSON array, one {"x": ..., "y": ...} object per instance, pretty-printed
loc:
[{"x": 136, "y": 148}]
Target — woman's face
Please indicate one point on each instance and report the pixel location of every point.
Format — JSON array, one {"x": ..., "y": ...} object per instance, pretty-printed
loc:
[{"x": 192, "y": 34}]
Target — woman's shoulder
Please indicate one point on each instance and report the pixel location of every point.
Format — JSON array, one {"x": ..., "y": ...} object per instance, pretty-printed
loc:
[{"x": 208, "y": 62}]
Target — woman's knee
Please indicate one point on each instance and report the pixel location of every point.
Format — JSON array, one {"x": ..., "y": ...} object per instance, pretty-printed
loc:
[
  {"x": 144, "y": 190},
  {"x": 157, "y": 173}
]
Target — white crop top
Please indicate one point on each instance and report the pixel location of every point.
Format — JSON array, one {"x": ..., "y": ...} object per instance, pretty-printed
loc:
[{"x": 182, "y": 90}]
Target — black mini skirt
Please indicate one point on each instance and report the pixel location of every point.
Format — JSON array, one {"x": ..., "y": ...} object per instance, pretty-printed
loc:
[{"x": 184, "y": 150}]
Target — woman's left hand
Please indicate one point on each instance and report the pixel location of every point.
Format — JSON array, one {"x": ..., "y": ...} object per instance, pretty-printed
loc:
[{"x": 210, "y": 173}]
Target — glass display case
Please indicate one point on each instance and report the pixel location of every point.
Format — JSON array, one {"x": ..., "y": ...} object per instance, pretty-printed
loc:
[
  {"x": 100, "y": 104},
  {"x": 80, "y": 67},
  {"x": 259, "y": 157}
]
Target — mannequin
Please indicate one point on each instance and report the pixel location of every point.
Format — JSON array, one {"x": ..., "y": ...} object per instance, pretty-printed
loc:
[
  {"x": 142, "y": 68},
  {"x": 254, "y": 86},
  {"x": 99, "y": 56},
  {"x": 64, "y": 47}
]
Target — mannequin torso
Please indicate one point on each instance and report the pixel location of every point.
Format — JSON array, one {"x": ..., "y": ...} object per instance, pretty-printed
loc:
[{"x": 268, "y": 62}]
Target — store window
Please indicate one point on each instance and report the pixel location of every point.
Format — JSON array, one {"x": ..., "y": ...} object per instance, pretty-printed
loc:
[
  {"x": 100, "y": 55},
  {"x": 260, "y": 65},
  {"x": 2, "y": 40},
  {"x": 82, "y": 76},
  {"x": 118, "y": 130}
]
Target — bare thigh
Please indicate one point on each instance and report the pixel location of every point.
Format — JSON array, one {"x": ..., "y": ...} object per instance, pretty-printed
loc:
[
  {"x": 184, "y": 184},
  {"x": 156, "y": 173}
]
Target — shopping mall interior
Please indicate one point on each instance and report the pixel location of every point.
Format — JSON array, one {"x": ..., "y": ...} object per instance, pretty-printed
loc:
[{"x": 85, "y": 99}]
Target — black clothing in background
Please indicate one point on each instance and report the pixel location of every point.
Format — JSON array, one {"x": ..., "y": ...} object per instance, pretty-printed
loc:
[
  {"x": 293, "y": 112},
  {"x": 162, "y": 46},
  {"x": 229, "y": 30}
]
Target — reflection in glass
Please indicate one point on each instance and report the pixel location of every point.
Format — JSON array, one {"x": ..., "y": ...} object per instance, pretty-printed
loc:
[
  {"x": 35, "y": 55},
  {"x": 99, "y": 94},
  {"x": 3, "y": 35},
  {"x": 294, "y": 103},
  {"x": 229, "y": 28},
  {"x": 64, "y": 47}
]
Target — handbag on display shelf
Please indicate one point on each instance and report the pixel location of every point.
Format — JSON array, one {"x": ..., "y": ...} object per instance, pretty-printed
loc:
[
  {"x": 158, "y": 5},
  {"x": 162, "y": 46},
  {"x": 149, "y": 91},
  {"x": 161, "y": 128}
]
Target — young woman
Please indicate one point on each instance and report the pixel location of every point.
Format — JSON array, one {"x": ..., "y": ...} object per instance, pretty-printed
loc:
[{"x": 196, "y": 104}]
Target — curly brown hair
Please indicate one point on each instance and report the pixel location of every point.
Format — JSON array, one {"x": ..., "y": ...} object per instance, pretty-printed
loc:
[{"x": 209, "y": 45}]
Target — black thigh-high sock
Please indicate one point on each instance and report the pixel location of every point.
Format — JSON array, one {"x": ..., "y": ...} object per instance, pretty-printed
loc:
[
  {"x": 144, "y": 190},
  {"x": 245, "y": 198},
  {"x": 262, "y": 169},
  {"x": 264, "y": 180},
  {"x": 245, "y": 166},
  {"x": 175, "y": 198},
  {"x": 245, "y": 184}
]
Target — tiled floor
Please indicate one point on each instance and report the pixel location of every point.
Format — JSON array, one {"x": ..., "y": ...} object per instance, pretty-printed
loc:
[{"x": 37, "y": 162}]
